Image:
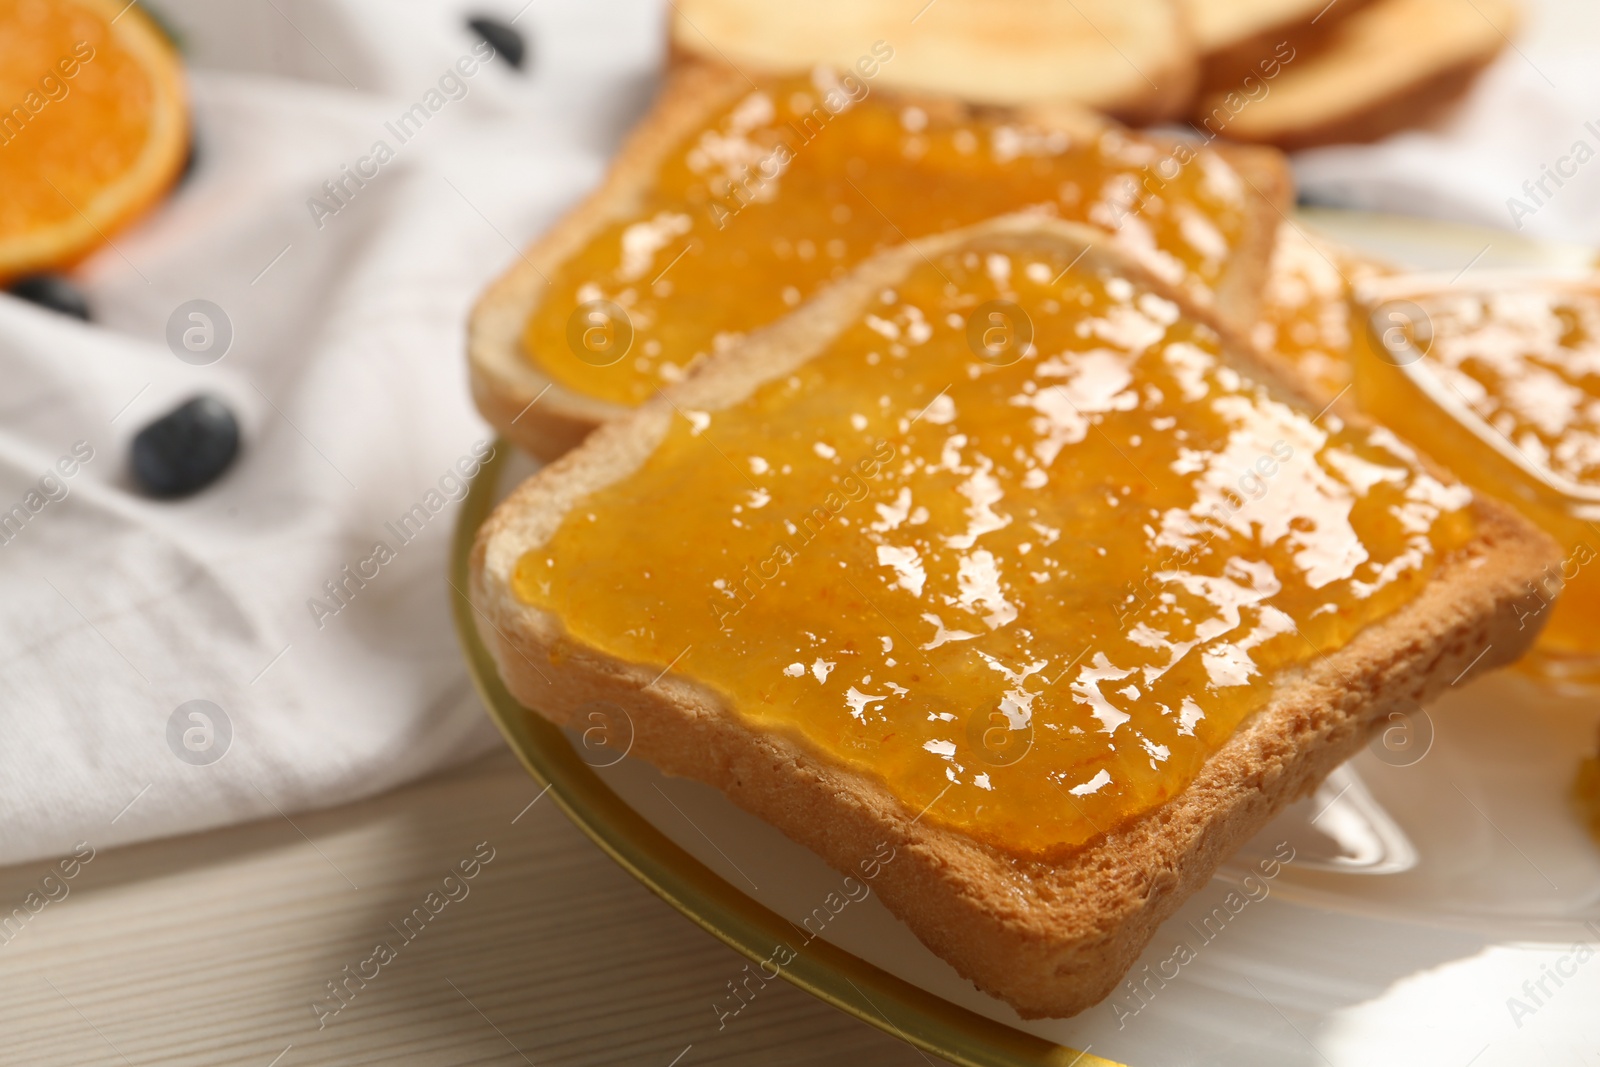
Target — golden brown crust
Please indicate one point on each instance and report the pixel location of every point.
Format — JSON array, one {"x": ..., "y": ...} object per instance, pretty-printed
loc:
[
  {"x": 1382, "y": 66},
  {"x": 1424, "y": 102},
  {"x": 1226, "y": 68},
  {"x": 1135, "y": 59},
  {"x": 1221, "y": 26},
  {"x": 546, "y": 419},
  {"x": 1051, "y": 937},
  {"x": 1172, "y": 87}
]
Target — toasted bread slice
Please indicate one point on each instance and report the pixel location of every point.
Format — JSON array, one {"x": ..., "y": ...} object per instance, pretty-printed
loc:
[
  {"x": 1130, "y": 58},
  {"x": 1384, "y": 66},
  {"x": 1050, "y": 932},
  {"x": 1257, "y": 44},
  {"x": 1306, "y": 309},
  {"x": 546, "y": 417},
  {"x": 1491, "y": 374},
  {"x": 1220, "y": 26}
]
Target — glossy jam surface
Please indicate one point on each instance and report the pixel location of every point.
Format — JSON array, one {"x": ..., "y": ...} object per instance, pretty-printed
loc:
[
  {"x": 1306, "y": 308},
  {"x": 1504, "y": 386},
  {"x": 1031, "y": 598},
  {"x": 1528, "y": 362},
  {"x": 777, "y": 196}
]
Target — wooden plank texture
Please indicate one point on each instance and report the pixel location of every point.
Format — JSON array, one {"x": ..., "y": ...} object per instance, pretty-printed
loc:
[{"x": 213, "y": 949}]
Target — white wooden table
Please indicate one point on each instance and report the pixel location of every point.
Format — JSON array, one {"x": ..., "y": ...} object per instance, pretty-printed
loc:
[{"x": 212, "y": 949}]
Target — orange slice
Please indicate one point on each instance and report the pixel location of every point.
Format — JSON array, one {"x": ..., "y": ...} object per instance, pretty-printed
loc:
[{"x": 94, "y": 124}]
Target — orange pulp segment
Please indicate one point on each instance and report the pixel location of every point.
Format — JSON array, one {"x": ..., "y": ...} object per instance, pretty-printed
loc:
[{"x": 93, "y": 126}]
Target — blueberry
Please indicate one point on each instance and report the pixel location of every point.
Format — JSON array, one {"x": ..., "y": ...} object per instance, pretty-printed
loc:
[
  {"x": 54, "y": 292},
  {"x": 502, "y": 37},
  {"x": 186, "y": 449}
]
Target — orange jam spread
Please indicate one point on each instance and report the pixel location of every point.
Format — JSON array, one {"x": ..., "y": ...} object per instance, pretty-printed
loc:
[
  {"x": 1504, "y": 385},
  {"x": 777, "y": 196},
  {"x": 1029, "y": 596},
  {"x": 1306, "y": 306}
]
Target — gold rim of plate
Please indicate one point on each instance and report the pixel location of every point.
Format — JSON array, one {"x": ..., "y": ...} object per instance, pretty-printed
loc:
[{"x": 824, "y": 970}]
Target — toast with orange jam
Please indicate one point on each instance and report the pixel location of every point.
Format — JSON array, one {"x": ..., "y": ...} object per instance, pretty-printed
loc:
[
  {"x": 1499, "y": 377},
  {"x": 1002, "y": 552},
  {"x": 734, "y": 201},
  {"x": 1306, "y": 309}
]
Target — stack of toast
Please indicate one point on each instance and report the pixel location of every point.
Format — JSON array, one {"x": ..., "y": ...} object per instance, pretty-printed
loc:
[
  {"x": 1292, "y": 73},
  {"x": 973, "y": 475}
]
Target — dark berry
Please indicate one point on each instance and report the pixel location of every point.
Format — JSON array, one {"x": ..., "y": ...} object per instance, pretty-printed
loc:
[
  {"x": 502, "y": 37},
  {"x": 54, "y": 292},
  {"x": 187, "y": 449}
]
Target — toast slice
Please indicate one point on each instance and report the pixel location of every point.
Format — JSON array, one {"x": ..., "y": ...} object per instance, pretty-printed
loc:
[
  {"x": 539, "y": 395},
  {"x": 1130, "y": 58},
  {"x": 1040, "y": 904},
  {"x": 1221, "y": 26},
  {"x": 1250, "y": 43},
  {"x": 1307, "y": 307},
  {"x": 1493, "y": 374},
  {"x": 1384, "y": 66}
]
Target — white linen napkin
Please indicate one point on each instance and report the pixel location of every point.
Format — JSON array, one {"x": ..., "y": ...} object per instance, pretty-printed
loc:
[{"x": 346, "y": 372}]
